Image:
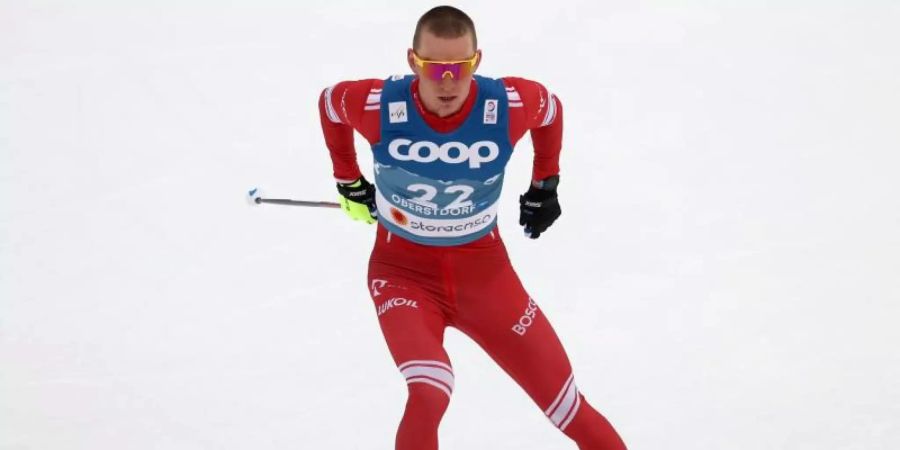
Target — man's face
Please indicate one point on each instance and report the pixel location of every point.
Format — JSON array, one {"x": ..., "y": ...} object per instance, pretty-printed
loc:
[{"x": 447, "y": 96}]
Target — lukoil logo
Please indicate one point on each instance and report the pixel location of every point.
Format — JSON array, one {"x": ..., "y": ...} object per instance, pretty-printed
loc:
[
  {"x": 395, "y": 302},
  {"x": 376, "y": 283},
  {"x": 449, "y": 152}
]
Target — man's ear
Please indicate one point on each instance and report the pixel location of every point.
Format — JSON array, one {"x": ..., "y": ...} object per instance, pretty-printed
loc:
[
  {"x": 410, "y": 60},
  {"x": 478, "y": 62}
]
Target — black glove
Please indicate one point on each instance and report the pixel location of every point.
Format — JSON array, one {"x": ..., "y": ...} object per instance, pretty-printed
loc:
[
  {"x": 539, "y": 207},
  {"x": 358, "y": 200}
]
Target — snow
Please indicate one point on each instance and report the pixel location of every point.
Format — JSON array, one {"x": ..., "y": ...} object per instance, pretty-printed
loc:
[{"x": 725, "y": 275}]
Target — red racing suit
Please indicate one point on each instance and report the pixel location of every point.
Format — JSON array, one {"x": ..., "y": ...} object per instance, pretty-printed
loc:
[{"x": 418, "y": 290}]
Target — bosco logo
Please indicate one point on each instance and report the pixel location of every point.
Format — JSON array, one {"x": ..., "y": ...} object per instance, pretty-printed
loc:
[{"x": 448, "y": 152}]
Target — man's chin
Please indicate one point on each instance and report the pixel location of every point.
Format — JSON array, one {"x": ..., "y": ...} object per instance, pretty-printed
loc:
[
  {"x": 448, "y": 109},
  {"x": 443, "y": 109}
]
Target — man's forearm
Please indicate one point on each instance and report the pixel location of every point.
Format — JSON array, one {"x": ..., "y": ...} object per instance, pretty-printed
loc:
[{"x": 547, "y": 141}]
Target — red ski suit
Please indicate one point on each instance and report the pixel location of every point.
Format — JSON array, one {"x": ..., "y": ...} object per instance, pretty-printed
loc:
[{"x": 419, "y": 290}]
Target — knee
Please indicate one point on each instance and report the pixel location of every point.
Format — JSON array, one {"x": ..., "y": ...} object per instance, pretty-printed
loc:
[
  {"x": 430, "y": 385},
  {"x": 572, "y": 414},
  {"x": 566, "y": 405},
  {"x": 591, "y": 431},
  {"x": 426, "y": 404}
]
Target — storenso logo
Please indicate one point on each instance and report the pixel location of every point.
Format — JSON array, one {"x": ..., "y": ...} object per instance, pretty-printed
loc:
[
  {"x": 448, "y": 152},
  {"x": 466, "y": 226}
]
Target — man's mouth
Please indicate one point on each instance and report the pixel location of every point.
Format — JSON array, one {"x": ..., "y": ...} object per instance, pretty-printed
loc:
[{"x": 447, "y": 99}]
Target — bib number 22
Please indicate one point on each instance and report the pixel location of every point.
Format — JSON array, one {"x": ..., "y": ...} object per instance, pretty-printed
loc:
[{"x": 428, "y": 192}]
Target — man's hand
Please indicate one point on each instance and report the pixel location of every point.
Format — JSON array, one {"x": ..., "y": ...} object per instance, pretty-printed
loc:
[
  {"x": 539, "y": 207},
  {"x": 358, "y": 200}
]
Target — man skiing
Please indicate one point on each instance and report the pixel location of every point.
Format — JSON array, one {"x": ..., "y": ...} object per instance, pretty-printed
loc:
[{"x": 441, "y": 139}]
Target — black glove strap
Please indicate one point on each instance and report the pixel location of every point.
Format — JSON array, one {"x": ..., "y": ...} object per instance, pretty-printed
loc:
[{"x": 363, "y": 193}]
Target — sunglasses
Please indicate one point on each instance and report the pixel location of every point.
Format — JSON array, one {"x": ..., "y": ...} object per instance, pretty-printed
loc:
[{"x": 438, "y": 70}]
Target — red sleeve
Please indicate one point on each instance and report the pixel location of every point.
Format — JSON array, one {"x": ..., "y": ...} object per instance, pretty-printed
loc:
[
  {"x": 342, "y": 109},
  {"x": 541, "y": 113}
]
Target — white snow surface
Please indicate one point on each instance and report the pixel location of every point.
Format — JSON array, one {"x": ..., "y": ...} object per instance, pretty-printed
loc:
[{"x": 725, "y": 275}]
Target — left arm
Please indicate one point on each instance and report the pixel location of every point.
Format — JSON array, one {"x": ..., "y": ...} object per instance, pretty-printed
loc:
[
  {"x": 539, "y": 206},
  {"x": 544, "y": 118}
]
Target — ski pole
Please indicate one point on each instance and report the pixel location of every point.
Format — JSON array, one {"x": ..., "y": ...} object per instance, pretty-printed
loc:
[{"x": 254, "y": 197}]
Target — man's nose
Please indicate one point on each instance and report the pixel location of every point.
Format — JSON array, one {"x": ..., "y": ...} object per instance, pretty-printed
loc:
[{"x": 448, "y": 82}]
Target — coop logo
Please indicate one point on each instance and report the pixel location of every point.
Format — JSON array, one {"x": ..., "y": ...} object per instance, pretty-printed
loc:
[
  {"x": 448, "y": 152},
  {"x": 396, "y": 302}
]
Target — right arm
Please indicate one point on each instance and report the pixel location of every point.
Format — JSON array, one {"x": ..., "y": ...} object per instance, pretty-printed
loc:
[{"x": 343, "y": 108}]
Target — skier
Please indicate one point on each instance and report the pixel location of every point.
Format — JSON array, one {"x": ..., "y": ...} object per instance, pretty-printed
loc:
[{"x": 441, "y": 139}]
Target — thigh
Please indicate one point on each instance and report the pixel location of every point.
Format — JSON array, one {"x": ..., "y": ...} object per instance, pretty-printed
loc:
[
  {"x": 498, "y": 314},
  {"x": 413, "y": 327}
]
